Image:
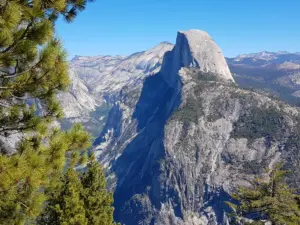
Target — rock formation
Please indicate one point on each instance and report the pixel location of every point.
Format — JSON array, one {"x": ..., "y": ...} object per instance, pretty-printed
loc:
[{"x": 178, "y": 144}]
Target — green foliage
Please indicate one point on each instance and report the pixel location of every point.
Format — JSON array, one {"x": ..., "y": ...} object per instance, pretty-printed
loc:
[
  {"x": 33, "y": 68},
  {"x": 257, "y": 122},
  {"x": 71, "y": 210},
  {"x": 32, "y": 62},
  {"x": 190, "y": 112},
  {"x": 65, "y": 205},
  {"x": 36, "y": 166},
  {"x": 80, "y": 198},
  {"x": 271, "y": 200},
  {"x": 98, "y": 202},
  {"x": 205, "y": 76}
]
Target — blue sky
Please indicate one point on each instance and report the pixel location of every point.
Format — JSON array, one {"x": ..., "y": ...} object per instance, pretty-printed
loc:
[{"x": 122, "y": 27}]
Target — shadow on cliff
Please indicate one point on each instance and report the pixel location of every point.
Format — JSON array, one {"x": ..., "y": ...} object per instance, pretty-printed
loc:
[
  {"x": 137, "y": 169},
  {"x": 216, "y": 200}
]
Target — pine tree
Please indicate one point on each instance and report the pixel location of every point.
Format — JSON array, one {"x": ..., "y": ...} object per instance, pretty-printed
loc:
[
  {"x": 66, "y": 206},
  {"x": 73, "y": 211},
  {"x": 80, "y": 191},
  {"x": 33, "y": 68},
  {"x": 98, "y": 202},
  {"x": 271, "y": 200},
  {"x": 35, "y": 168}
]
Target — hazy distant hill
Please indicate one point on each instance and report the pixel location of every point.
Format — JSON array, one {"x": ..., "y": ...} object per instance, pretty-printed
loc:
[{"x": 274, "y": 72}]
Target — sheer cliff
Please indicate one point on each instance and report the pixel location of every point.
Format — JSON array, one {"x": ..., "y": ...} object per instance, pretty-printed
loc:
[{"x": 176, "y": 145}]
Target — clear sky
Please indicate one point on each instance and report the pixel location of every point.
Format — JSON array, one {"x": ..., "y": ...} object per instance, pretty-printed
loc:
[{"x": 122, "y": 27}]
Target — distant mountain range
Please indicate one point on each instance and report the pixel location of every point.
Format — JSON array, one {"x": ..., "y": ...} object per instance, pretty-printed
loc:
[
  {"x": 97, "y": 81},
  {"x": 275, "y": 72},
  {"x": 267, "y": 57}
]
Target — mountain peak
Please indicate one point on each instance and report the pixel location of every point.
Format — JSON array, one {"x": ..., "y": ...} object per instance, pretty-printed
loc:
[
  {"x": 166, "y": 43},
  {"x": 160, "y": 49},
  {"x": 196, "y": 49},
  {"x": 194, "y": 33}
]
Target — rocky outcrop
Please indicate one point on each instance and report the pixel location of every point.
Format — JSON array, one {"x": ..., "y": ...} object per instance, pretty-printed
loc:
[
  {"x": 176, "y": 147},
  {"x": 78, "y": 101},
  {"x": 195, "y": 48},
  {"x": 8, "y": 143}
]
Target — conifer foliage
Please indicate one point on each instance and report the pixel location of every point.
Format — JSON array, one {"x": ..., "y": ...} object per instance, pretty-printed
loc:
[
  {"x": 33, "y": 68},
  {"x": 271, "y": 200},
  {"x": 65, "y": 205},
  {"x": 98, "y": 202},
  {"x": 80, "y": 198},
  {"x": 33, "y": 169}
]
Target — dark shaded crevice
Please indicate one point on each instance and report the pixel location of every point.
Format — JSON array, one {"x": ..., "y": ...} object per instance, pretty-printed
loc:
[{"x": 138, "y": 168}]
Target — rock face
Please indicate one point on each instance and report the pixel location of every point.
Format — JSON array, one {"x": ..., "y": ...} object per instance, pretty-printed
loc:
[
  {"x": 178, "y": 144},
  {"x": 78, "y": 102},
  {"x": 195, "y": 48},
  {"x": 97, "y": 81},
  {"x": 108, "y": 74}
]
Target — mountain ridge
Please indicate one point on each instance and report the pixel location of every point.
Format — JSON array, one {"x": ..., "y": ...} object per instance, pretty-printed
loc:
[
  {"x": 266, "y": 55},
  {"x": 76, "y": 57},
  {"x": 96, "y": 83},
  {"x": 175, "y": 148},
  {"x": 278, "y": 74}
]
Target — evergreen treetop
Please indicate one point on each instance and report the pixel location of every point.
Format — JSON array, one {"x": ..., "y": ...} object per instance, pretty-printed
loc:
[
  {"x": 33, "y": 69},
  {"x": 271, "y": 200},
  {"x": 98, "y": 202},
  {"x": 33, "y": 66},
  {"x": 37, "y": 167},
  {"x": 80, "y": 198}
]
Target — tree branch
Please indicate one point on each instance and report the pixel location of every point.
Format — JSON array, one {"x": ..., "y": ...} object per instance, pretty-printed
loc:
[
  {"x": 19, "y": 39},
  {"x": 15, "y": 73},
  {"x": 4, "y": 105},
  {"x": 5, "y": 88}
]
